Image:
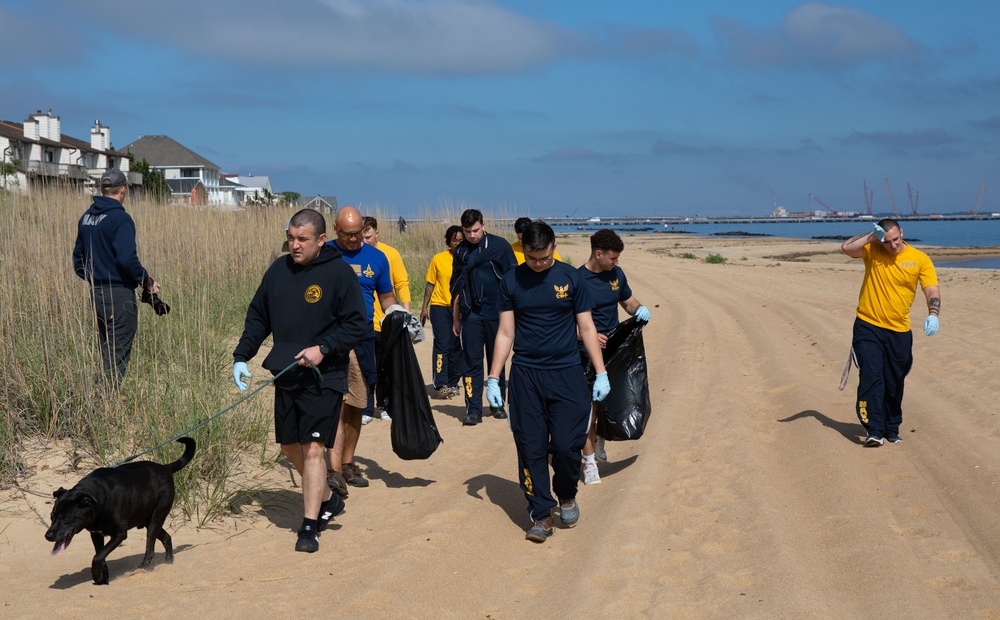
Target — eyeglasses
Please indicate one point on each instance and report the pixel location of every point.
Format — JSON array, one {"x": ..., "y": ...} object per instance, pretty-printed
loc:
[
  {"x": 349, "y": 235},
  {"x": 539, "y": 261}
]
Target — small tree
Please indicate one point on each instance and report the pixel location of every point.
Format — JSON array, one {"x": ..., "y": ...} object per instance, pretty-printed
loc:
[
  {"x": 291, "y": 197},
  {"x": 154, "y": 182}
]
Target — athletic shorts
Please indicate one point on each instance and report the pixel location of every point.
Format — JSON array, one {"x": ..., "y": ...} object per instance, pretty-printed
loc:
[
  {"x": 306, "y": 414},
  {"x": 357, "y": 387}
]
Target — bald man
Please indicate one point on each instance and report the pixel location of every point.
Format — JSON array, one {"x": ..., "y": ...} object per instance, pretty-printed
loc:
[{"x": 372, "y": 268}]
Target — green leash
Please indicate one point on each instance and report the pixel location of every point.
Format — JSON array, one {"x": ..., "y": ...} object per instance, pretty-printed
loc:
[{"x": 319, "y": 377}]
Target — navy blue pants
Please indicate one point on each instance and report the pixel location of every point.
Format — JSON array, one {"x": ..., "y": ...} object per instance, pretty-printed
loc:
[
  {"x": 448, "y": 359},
  {"x": 117, "y": 320},
  {"x": 884, "y": 359},
  {"x": 549, "y": 414},
  {"x": 478, "y": 335}
]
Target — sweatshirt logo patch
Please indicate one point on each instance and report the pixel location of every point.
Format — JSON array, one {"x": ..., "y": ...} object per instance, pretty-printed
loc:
[{"x": 313, "y": 294}]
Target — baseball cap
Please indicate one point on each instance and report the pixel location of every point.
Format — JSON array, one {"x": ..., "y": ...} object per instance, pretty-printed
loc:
[{"x": 113, "y": 178}]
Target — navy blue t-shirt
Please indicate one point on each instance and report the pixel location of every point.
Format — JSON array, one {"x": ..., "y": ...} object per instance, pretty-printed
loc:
[
  {"x": 608, "y": 289},
  {"x": 545, "y": 306}
]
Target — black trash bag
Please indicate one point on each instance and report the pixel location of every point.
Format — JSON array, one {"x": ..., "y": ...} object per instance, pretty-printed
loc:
[
  {"x": 400, "y": 391},
  {"x": 623, "y": 415}
]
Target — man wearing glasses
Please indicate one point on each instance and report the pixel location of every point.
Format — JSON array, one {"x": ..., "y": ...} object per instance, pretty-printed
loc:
[
  {"x": 479, "y": 263},
  {"x": 549, "y": 399},
  {"x": 882, "y": 344},
  {"x": 372, "y": 268}
]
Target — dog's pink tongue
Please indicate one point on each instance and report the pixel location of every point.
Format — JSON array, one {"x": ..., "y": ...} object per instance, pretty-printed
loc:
[{"x": 60, "y": 546}]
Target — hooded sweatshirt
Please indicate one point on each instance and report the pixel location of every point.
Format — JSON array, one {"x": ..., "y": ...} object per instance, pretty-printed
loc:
[
  {"x": 105, "y": 253},
  {"x": 304, "y": 306}
]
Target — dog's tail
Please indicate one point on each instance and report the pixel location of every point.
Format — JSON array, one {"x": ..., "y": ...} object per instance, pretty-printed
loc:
[{"x": 186, "y": 457}]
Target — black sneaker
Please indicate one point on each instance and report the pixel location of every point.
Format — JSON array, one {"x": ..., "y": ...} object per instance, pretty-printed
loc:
[
  {"x": 308, "y": 541},
  {"x": 498, "y": 413},
  {"x": 330, "y": 509},
  {"x": 472, "y": 419},
  {"x": 894, "y": 439},
  {"x": 872, "y": 441}
]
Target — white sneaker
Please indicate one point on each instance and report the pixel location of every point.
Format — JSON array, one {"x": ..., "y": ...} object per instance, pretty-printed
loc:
[
  {"x": 590, "y": 475},
  {"x": 599, "y": 452},
  {"x": 385, "y": 416},
  {"x": 366, "y": 419}
]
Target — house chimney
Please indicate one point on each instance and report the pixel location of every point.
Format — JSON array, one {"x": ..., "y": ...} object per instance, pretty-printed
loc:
[{"x": 100, "y": 137}]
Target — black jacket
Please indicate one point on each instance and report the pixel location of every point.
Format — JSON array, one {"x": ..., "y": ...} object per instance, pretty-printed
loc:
[{"x": 304, "y": 306}]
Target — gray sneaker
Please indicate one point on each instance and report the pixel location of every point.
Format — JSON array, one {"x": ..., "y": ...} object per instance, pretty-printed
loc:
[
  {"x": 599, "y": 451},
  {"x": 569, "y": 513}
]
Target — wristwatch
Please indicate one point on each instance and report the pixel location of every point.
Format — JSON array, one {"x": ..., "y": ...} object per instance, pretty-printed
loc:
[{"x": 325, "y": 350}]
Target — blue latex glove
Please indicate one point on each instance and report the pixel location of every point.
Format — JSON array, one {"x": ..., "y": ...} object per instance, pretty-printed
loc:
[
  {"x": 493, "y": 396},
  {"x": 642, "y": 313},
  {"x": 879, "y": 233},
  {"x": 602, "y": 387},
  {"x": 931, "y": 325},
  {"x": 240, "y": 370}
]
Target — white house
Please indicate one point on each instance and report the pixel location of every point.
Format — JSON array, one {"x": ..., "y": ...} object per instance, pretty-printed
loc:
[
  {"x": 183, "y": 170},
  {"x": 36, "y": 154},
  {"x": 249, "y": 187}
]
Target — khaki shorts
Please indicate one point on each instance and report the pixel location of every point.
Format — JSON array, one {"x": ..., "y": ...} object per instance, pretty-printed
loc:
[{"x": 357, "y": 387}]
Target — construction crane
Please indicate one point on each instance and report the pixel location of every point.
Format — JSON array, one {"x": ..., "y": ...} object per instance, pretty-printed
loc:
[
  {"x": 823, "y": 204},
  {"x": 869, "y": 195},
  {"x": 913, "y": 203},
  {"x": 891, "y": 200},
  {"x": 979, "y": 200}
]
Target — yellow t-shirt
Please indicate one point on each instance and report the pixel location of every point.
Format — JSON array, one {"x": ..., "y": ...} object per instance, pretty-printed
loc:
[
  {"x": 890, "y": 285},
  {"x": 519, "y": 253},
  {"x": 439, "y": 274},
  {"x": 400, "y": 281}
]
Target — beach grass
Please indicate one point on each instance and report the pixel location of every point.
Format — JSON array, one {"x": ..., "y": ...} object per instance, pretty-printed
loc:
[{"x": 208, "y": 262}]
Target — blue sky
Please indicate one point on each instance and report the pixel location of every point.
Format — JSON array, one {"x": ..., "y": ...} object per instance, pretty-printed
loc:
[{"x": 540, "y": 108}]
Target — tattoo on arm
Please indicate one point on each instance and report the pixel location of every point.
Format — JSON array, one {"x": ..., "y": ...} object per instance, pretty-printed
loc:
[
  {"x": 934, "y": 306},
  {"x": 853, "y": 239}
]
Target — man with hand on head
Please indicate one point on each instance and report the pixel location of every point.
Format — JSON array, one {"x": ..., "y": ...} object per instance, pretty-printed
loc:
[
  {"x": 609, "y": 287},
  {"x": 543, "y": 304},
  {"x": 310, "y": 302},
  {"x": 882, "y": 341}
]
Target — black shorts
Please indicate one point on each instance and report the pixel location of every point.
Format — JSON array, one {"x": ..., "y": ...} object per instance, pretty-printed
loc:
[{"x": 305, "y": 414}]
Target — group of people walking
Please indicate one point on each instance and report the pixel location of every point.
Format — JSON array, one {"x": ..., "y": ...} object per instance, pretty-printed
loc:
[{"x": 486, "y": 299}]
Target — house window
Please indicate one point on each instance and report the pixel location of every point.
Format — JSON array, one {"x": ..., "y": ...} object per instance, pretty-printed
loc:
[
  {"x": 189, "y": 173},
  {"x": 48, "y": 157},
  {"x": 111, "y": 162}
]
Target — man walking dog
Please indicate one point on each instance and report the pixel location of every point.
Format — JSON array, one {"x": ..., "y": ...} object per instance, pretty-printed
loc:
[{"x": 311, "y": 302}]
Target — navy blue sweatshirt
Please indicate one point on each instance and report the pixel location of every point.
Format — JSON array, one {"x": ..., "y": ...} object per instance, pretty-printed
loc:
[
  {"x": 304, "y": 306},
  {"x": 105, "y": 246}
]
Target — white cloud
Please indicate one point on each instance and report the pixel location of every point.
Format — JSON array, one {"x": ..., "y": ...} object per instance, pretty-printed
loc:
[
  {"x": 817, "y": 34},
  {"x": 404, "y": 36}
]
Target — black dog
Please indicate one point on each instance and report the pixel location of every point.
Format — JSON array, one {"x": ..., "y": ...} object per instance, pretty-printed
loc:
[{"x": 112, "y": 500}]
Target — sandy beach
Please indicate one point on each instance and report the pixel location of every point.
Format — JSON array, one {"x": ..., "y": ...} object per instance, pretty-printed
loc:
[{"x": 750, "y": 495}]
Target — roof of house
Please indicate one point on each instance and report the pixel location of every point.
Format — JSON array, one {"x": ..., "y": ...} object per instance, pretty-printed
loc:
[
  {"x": 15, "y": 131},
  {"x": 329, "y": 201},
  {"x": 164, "y": 151}
]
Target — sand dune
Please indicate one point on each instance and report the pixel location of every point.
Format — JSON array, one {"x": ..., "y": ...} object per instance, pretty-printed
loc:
[{"x": 749, "y": 496}]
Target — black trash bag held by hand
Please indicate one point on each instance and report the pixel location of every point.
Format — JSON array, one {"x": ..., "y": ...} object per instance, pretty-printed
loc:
[
  {"x": 400, "y": 391},
  {"x": 624, "y": 413}
]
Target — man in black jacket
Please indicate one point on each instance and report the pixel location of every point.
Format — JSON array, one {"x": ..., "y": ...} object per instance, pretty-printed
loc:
[
  {"x": 311, "y": 302},
  {"x": 105, "y": 256}
]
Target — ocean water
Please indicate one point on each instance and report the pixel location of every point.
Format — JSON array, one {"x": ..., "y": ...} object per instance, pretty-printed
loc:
[{"x": 952, "y": 233}]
